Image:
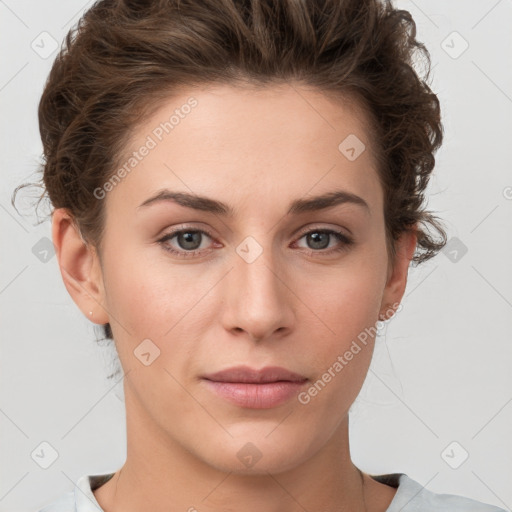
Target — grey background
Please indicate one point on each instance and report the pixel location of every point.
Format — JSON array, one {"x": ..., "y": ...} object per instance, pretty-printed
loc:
[{"x": 441, "y": 370}]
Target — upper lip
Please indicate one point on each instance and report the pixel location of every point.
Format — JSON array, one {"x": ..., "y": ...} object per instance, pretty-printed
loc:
[{"x": 248, "y": 374}]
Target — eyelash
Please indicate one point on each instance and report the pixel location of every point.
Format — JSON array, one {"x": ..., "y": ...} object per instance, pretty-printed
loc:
[{"x": 345, "y": 240}]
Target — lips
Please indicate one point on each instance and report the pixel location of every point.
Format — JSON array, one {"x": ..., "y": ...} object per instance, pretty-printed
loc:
[
  {"x": 246, "y": 374},
  {"x": 255, "y": 389}
]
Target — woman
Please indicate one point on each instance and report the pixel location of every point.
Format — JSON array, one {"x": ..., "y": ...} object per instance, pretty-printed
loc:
[{"x": 238, "y": 193}]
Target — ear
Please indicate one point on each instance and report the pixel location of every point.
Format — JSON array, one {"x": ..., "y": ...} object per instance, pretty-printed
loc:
[
  {"x": 397, "y": 273},
  {"x": 79, "y": 266}
]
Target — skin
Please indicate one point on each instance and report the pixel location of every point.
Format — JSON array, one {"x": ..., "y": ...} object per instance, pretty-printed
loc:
[{"x": 256, "y": 150}]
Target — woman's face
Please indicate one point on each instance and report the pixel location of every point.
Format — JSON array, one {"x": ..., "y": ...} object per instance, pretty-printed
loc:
[{"x": 261, "y": 281}]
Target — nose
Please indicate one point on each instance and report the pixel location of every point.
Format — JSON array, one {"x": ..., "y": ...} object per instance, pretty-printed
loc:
[{"x": 259, "y": 300}]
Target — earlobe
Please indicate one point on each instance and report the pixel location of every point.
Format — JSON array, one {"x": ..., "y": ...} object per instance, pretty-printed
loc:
[
  {"x": 79, "y": 266},
  {"x": 397, "y": 275}
]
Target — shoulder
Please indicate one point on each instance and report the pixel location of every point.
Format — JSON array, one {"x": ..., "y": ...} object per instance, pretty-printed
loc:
[
  {"x": 411, "y": 496},
  {"x": 66, "y": 503},
  {"x": 81, "y": 498}
]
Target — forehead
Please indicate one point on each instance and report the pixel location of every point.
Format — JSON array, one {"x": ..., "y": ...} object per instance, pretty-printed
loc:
[{"x": 243, "y": 143}]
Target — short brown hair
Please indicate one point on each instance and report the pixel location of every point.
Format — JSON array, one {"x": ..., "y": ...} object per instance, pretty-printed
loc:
[{"x": 125, "y": 56}]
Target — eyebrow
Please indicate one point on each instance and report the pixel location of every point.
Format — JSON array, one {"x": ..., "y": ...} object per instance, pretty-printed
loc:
[{"x": 297, "y": 206}]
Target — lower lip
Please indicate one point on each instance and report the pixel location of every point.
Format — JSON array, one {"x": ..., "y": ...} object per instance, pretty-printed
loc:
[{"x": 256, "y": 396}]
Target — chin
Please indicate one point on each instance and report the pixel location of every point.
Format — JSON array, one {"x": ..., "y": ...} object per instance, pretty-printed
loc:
[{"x": 259, "y": 454}]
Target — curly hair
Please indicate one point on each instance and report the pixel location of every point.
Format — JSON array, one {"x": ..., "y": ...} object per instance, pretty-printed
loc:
[{"x": 124, "y": 57}]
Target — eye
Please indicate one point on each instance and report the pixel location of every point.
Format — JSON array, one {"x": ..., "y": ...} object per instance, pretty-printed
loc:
[
  {"x": 189, "y": 242},
  {"x": 319, "y": 239}
]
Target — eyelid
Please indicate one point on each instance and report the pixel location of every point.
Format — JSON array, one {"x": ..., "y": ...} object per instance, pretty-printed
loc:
[
  {"x": 185, "y": 227},
  {"x": 322, "y": 227}
]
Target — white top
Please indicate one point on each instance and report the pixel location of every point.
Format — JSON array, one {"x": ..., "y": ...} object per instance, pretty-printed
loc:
[{"x": 410, "y": 497}]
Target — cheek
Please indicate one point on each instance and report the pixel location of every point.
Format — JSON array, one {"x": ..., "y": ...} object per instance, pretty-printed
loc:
[
  {"x": 340, "y": 317},
  {"x": 151, "y": 298},
  {"x": 142, "y": 297},
  {"x": 347, "y": 300},
  {"x": 344, "y": 340}
]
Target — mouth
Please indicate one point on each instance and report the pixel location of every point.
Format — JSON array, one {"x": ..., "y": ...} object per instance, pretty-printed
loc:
[
  {"x": 255, "y": 389},
  {"x": 250, "y": 375}
]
